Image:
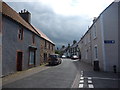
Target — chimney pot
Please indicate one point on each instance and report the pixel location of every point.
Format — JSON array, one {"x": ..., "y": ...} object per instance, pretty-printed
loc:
[{"x": 25, "y": 15}]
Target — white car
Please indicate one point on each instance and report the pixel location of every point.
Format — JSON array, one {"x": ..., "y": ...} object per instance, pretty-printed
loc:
[
  {"x": 74, "y": 57},
  {"x": 63, "y": 56}
]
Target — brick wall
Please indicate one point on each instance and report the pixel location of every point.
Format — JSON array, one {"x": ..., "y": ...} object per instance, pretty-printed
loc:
[{"x": 45, "y": 51}]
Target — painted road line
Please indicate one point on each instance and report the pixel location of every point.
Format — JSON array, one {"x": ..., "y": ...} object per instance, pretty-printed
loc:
[
  {"x": 81, "y": 77},
  {"x": 89, "y": 78},
  {"x": 80, "y": 85},
  {"x": 89, "y": 81},
  {"x": 81, "y": 81},
  {"x": 102, "y": 78},
  {"x": 90, "y": 86}
]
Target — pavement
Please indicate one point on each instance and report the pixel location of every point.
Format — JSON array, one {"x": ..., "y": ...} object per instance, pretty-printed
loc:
[
  {"x": 70, "y": 74},
  {"x": 22, "y": 74},
  {"x": 59, "y": 76},
  {"x": 95, "y": 79}
]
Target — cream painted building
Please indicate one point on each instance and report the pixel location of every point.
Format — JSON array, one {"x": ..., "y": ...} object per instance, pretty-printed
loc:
[{"x": 100, "y": 42}]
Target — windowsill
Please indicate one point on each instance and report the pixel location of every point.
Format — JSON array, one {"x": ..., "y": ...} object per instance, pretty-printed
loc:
[
  {"x": 31, "y": 65},
  {"x": 20, "y": 40},
  {"x": 96, "y": 60}
]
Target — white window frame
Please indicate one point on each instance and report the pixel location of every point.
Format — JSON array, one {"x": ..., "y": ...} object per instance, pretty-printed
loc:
[
  {"x": 32, "y": 55},
  {"x": 94, "y": 31},
  {"x": 85, "y": 40},
  {"x": 89, "y": 38},
  {"x": 96, "y": 52},
  {"x": 86, "y": 54}
]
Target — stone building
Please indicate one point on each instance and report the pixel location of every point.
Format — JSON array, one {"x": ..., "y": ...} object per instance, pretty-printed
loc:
[
  {"x": 21, "y": 43},
  {"x": 47, "y": 47}
]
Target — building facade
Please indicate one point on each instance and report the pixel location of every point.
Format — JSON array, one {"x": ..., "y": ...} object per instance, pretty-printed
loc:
[
  {"x": 100, "y": 42},
  {"x": 74, "y": 49},
  {"x": 21, "y": 42}
]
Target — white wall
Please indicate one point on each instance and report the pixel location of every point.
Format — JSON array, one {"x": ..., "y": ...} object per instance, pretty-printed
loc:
[{"x": 110, "y": 24}]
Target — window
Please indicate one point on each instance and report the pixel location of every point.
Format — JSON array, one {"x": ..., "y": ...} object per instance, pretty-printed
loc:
[
  {"x": 45, "y": 44},
  {"x": 94, "y": 32},
  {"x": 96, "y": 52},
  {"x": 85, "y": 41},
  {"x": 32, "y": 58},
  {"x": 89, "y": 39},
  {"x": 33, "y": 38},
  {"x": 20, "y": 34},
  {"x": 86, "y": 55},
  {"x": 52, "y": 47},
  {"x": 45, "y": 57},
  {"x": 49, "y": 46}
]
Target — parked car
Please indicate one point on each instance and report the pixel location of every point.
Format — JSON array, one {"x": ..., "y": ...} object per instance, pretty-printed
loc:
[
  {"x": 63, "y": 56},
  {"x": 54, "y": 59},
  {"x": 74, "y": 57}
]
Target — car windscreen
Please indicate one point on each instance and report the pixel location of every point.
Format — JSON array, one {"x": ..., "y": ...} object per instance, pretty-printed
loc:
[{"x": 53, "y": 56}]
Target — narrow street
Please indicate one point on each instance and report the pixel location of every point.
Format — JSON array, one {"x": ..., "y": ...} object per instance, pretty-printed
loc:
[
  {"x": 68, "y": 74},
  {"x": 59, "y": 76}
]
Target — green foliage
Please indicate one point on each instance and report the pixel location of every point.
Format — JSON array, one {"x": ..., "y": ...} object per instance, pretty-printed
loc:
[{"x": 57, "y": 52}]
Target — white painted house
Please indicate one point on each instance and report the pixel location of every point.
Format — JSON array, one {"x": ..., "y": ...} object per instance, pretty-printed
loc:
[{"x": 100, "y": 42}]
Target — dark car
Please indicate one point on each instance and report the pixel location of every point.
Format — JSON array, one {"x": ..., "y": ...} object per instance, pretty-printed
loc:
[
  {"x": 54, "y": 59},
  {"x": 74, "y": 57}
]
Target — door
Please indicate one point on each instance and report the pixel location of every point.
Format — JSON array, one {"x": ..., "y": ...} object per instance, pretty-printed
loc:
[
  {"x": 32, "y": 57},
  {"x": 19, "y": 61}
]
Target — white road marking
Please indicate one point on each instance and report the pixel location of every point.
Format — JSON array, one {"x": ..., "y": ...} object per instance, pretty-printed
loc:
[
  {"x": 89, "y": 81},
  {"x": 75, "y": 60},
  {"x": 102, "y": 78},
  {"x": 90, "y": 86},
  {"x": 80, "y": 85},
  {"x": 81, "y": 77},
  {"x": 81, "y": 81},
  {"x": 89, "y": 78}
]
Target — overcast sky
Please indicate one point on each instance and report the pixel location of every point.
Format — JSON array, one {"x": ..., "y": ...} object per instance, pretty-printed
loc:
[{"x": 61, "y": 20}]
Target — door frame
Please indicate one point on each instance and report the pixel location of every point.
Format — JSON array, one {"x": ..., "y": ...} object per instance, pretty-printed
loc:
[
  {"x": 17, "y": 59},
  {"x": 32, "y": 65}
]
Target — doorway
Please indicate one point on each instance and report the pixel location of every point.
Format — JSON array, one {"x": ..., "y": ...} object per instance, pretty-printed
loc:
[{"x": 19, "y": 61}]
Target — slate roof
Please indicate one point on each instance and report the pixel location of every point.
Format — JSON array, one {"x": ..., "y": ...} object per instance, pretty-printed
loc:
[
  {"x": 9, "y": 12},
  {"x": 43, "y": 35}
]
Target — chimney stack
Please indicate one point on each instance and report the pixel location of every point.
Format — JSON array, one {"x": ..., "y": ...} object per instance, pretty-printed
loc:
[
  {"x": 94, "y": 19},
  {"x": 25, "y": 15}
]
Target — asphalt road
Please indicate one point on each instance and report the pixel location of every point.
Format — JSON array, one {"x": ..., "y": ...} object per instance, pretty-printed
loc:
[
  {"x": 59, "y": 76},
  {"x": 68, "y": 74}
]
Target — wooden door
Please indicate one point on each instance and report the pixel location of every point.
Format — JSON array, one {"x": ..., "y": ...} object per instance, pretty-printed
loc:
[{"x": 19, "y": 61}]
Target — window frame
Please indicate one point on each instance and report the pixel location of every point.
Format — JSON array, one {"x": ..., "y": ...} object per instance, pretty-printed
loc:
[
  {"x": 94, "y": 31},
  {"x": 33, "y": 62},
  {"x": 96, "y": 52},
  {"x": 45, "y": 44},
  {"x": 20, "y": 33},
  {"x": 33, "y": 38}
]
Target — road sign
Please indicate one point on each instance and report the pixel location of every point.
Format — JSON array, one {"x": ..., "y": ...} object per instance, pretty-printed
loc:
[{"x": 109, "y": 41}]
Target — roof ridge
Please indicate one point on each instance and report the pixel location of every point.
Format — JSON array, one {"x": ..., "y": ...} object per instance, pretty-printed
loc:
[
  {"x": 42, "y": 34},
  {"x": 11, "y": 13}
]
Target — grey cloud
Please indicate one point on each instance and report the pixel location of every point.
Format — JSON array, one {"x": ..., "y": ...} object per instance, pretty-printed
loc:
[{"x": 60, "y": 29}]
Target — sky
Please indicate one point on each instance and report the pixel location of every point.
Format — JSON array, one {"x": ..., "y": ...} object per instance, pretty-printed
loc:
[{"x": 61, "y": 20}]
